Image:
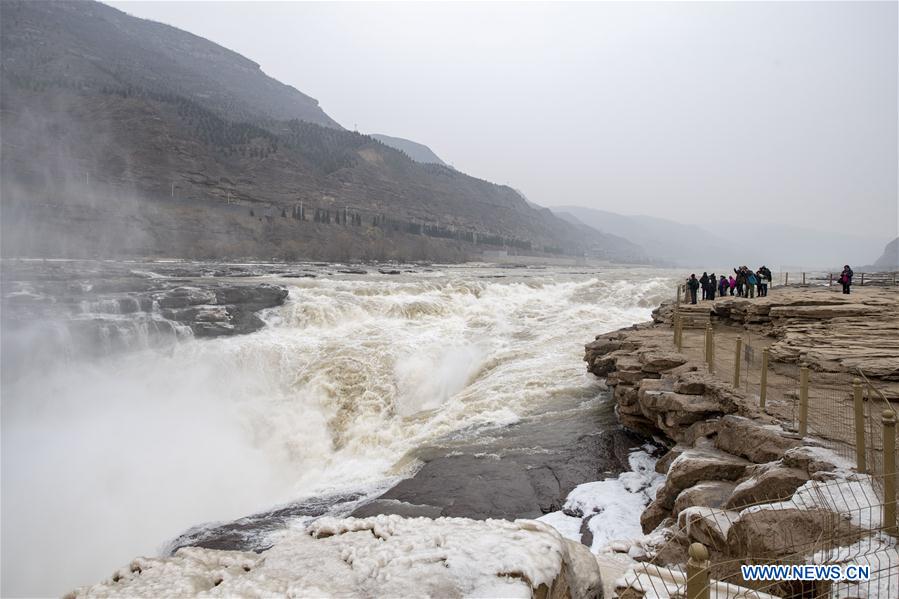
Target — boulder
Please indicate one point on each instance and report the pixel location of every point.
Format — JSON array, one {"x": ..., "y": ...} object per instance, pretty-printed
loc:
[
  {"x": 654, "y": 514},
  {"x": 752, "y": 440},
  {"x": 681, "y": 405},
  {"x": 254, "y": 297},
  {"x": 810, "y": 459},
  {"x": 664, "y": 462},
  {"x": 763, "y": 533},
  {"x": 707, "y": 493},
  {"x": 659, "y": 362},
  {"x": 692, "y": 383},
  {"x": 774, "y": 484},
  {"x": 690, "y": 467},
  {"x": 707, "y": 525},
  {"x": 585, "y": 578},
  {"x": 703, "y": 463}
]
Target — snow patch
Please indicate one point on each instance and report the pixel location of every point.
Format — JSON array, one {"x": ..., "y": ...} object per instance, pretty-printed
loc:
[
  {"x": 382, "y": 556},
  {"x": 611, "y": 507}
]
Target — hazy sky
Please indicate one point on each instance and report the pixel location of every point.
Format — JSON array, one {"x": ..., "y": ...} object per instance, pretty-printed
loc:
[{"x": 762, "y": 112}]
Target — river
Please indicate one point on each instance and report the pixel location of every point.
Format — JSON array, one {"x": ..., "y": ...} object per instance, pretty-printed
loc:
[{"x": 109, "y": 452}]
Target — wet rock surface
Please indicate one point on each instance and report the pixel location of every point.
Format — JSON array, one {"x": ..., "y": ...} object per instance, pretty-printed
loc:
[
  {"x": 525, "y": 471},
  {"x": 521, "y": 471}
]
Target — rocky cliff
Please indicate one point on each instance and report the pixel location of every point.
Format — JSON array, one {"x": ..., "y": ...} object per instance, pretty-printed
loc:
[{"x": 738, "y": 478}]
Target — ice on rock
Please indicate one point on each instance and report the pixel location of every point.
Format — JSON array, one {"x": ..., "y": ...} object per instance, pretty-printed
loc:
[
  {"x": 611, "y": 507},
  {"x": 381, "y": 556}
]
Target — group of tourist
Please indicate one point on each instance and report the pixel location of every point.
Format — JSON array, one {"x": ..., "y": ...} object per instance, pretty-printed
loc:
[{"x": 743, "y": 283}]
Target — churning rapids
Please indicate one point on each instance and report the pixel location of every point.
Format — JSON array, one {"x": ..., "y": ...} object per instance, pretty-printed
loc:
[{"x": 116, "y": 442}]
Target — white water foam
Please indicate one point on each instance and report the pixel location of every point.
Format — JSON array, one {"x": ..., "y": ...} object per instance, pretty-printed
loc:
[{"x": 106, "y": 459}]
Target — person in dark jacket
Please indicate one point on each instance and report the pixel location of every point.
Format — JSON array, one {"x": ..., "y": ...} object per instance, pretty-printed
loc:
[
  {"x": 765, "y": 279},
  {"x": 712, "y": 287},
  {"x": 723, "y": 286},
  {"x": 692, "y": 285},
  {"x": 704, "y": 283},
  {"x": 741, "y": 280},
  {"x": 846, "y": 278}
]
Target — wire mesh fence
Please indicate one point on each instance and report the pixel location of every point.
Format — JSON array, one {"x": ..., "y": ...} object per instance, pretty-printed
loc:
[
  {"x": 833, "y": 526},
  {"x": 842, "y": 409}
]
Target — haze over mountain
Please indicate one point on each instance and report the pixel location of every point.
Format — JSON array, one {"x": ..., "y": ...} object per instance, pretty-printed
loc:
[
  {"x": 731, "y": 243},
  {"x": 695, "y": 112},
  {"x": 416, "y": 151},
  {"x": 889, "y": 260},
  {"x": 126, "y": 136}
]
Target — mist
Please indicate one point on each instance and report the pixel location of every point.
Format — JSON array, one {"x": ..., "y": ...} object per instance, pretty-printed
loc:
[{"x": 757, "y": 112}]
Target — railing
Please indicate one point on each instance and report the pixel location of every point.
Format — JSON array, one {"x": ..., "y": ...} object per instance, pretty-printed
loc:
[
  {"x": 832, "y": 279},
  {"x": 831, "y": 524},
  {"x": 845, "y": 409}
]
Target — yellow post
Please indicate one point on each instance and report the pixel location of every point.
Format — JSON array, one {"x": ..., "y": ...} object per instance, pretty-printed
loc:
[
  {"x": 680, "y": 333},
  {"x": 763, "y": 381},
  {"x": 803, "y": 401},
  {"x": 698, "y": 572},
  {"x": 859, "y": 425},
  {"x": 889, "y": 473},
  {"x": 705, "y": 353},
  {"x": 710, "y": 347},
  {"x": 737, "y": 356}
]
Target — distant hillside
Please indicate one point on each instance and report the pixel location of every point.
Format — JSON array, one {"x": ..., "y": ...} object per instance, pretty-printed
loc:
[
  {"x": 124, "y": 136},
  {"x": 663, "y": 240},
  {"x": 889, "y": 260},
  {"x": 88, "y": 44},
  {"x": 416, "y": 151},
  {"x": 730, "y": 243}
]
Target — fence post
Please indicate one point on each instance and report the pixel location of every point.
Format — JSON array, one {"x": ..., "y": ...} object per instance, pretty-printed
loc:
[
  {"x": 803, "y": 401},
  {"x": 737, "y": 355},
  {"x": 698, "y": 572},
  {"x": 803, "y": 278},
  {"x": 830, "y": 279},
  {"x": 859, "y": 425},
  {"x": 863, "y": 279},
  {"x": 710, "y": 347},
  {"x": 679, "y": 334},
  {"x": 763, "y": 381},
  {"x": 889, "y": 472},
  {"x": 786, "y": 279}
]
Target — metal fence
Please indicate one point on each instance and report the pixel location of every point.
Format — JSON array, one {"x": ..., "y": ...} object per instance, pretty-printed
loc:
[
  {"x": 844, "y": 409},
  {"x": 832, "y": 279},
  {"x": 826, "y": 524}
]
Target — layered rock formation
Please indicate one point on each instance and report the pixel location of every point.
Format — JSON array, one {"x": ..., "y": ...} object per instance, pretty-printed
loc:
[{"x": 737, "y": 481}]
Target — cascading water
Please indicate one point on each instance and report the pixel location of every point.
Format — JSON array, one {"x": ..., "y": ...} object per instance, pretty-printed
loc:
[{"x": 108, "y": 457}]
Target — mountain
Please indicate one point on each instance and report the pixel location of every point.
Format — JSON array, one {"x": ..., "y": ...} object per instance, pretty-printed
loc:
[
  {"x": 92, "y": 45},
  {"x": 126, "y": 137},
  {"x": 665, "y": 241},
  {"x": 889, "y": 260},
  {"x": 416, "y": 151},
  {"x": 796, "y": 248},
  {"x": 730, "y": 243}
]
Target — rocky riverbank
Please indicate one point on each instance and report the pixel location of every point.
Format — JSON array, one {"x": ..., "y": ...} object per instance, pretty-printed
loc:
[{"x": 737, "y": 479}]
